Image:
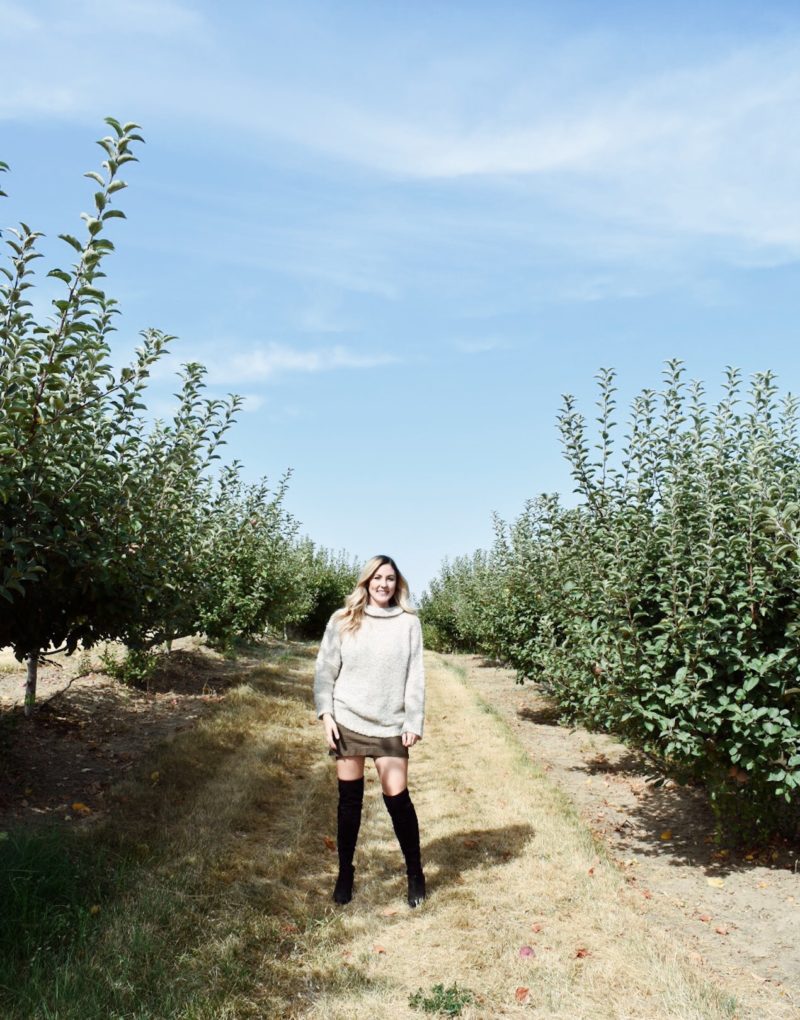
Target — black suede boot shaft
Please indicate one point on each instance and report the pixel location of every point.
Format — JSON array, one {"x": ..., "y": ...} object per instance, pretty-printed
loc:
[
  {"x": 348, "y": 822},
  {"x": 348, "y": 818},
  {"x": 406, "y": 826}
]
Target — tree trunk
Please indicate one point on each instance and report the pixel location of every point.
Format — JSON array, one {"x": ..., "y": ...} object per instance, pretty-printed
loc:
[{"x": 30, "y": 683}]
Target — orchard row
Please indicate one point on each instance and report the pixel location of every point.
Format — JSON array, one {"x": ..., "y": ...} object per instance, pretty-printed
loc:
[
  {"x": 116, "y": 526},
  {"x": 665, "y": 606}
]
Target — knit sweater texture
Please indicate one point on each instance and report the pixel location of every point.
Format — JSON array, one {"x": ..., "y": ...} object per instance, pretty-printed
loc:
[{"x": 372, "y": 681}]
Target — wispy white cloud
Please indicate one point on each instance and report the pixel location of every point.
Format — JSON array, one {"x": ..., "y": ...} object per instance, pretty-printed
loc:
[
  {"x": 707, "y": 149},
  {"x": 90, "y": 53},
  {"x": 318, "y": 317},
  {"x": 164, "y": 18},
  {"x": 86, "y": 18},
  {"x": 252, "y": 402},
  {"x": 483, "y": 345},
  {"x": 265, "y": 362},
  {"x": 17, "y": 20}
]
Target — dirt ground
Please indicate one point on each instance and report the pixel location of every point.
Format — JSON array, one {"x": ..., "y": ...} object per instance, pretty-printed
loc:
[
  {"x": 739, "y": 909},
  {"x": 87, "y": 733}
]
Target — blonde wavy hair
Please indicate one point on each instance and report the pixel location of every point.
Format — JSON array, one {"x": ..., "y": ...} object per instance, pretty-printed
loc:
[{"x": 353, "y": 613}]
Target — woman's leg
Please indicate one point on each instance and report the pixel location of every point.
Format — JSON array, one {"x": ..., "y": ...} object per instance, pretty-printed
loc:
[
  {"x": 350, "y": 773},
  {"x": 393, "y": 774}
]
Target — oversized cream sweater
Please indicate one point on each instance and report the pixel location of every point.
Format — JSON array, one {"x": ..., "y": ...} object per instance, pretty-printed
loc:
[{"x": 372, "y": 681}]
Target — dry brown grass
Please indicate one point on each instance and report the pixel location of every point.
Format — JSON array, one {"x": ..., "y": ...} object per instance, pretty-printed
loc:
[
  {"x": 231, "y": 916},
  {"x": 241, "y": 806},
  {"x": 504, "y": 853}
]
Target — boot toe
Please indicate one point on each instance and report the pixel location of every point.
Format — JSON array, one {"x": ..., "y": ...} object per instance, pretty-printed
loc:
[
  {"x": 343, "y": 890},
  {"x": 416, "y": 890}
]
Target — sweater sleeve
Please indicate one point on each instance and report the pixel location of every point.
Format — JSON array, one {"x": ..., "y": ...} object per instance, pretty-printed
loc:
[
  {"x": 415, "y": 684},
  {"x": 329, "y": 663}
]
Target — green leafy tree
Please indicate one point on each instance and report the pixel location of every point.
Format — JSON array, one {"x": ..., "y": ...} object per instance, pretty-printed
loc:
[
  {"x": 246, "y": 560},
  {"x": 664, "y": 606},
  {"x": 65, "y": 422},
  {"x": 325, "y": 579},
  {"x": 106, "y": 518},
  {"x": 114, "y": 526}
]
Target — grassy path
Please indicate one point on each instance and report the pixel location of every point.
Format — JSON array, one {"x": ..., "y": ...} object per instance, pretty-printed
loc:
[
  {"x": 509, "y": 865},
  {"x": 219, "y": 907}
]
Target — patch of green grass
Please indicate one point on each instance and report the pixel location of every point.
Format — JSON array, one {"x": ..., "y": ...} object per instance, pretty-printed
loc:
[
  {"x": 136, "y": 668},
  {"x": 49, "y": 882},
  {"x": 190, "y": 901},
  {"x": 54, "y": 885},
  {"x": 444, "y": 1001}
]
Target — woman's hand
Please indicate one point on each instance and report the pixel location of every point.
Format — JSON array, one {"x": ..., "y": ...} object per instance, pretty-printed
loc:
[
  {"x": 409, "y": 739},
  {"x": 331, "y": 730}
]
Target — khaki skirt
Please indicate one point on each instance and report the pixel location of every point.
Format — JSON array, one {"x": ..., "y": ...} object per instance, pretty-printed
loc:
[{"x": 352, "y": 744}]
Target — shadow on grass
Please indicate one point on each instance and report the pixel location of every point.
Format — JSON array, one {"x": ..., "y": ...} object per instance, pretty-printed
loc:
[
  {"x": 544, "y": 714},
  {"x": 450, "y": 856},
  {"x": 86, "y": 738},
  {"x": 683, "y": 810},
  {"x": 187, "y": 913}
]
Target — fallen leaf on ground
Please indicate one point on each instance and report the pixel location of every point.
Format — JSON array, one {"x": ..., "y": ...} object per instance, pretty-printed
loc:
[
  {"x": 581, "y": 953},
  {"x": 591, "y": 871},
  {"x": 389, "y": 912},
  {"x": 704, "y": 917},
  {"x": 522, "y": 995},
  {"x": 526, "y": 952},
  {"x": 81, "y": 809},
  {"x": 536, "y": 927},
  {"x": 666, "y": 834},
  {"x": 647, "y": 894},
  {"x": 721, "y": 929},
  {"x": 155, "y": 776},
  {"x": 330, "y": 843},
  {"x": 379, "y": 949},
  {"x": 718, "y": 883},
  {"x": 94, "y": 909}
]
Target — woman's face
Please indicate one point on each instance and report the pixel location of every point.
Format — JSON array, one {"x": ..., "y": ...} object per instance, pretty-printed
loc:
[{"x": 382, "y": 585}]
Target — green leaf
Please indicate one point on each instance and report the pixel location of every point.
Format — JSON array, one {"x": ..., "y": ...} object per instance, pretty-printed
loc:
[
  {"x": 60, "y": 274},
  {"x": 72, "y": 241}
]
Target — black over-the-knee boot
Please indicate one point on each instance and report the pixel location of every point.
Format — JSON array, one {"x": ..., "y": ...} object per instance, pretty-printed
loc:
[
  {"x": 406, "y": 827},
  {"x": 348, "y": 822}
]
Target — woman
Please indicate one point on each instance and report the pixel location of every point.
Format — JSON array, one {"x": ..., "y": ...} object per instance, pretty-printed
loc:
[{"x": 369, "y": 692}]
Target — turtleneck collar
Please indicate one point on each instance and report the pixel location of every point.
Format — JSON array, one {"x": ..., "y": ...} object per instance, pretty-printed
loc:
[{"x": 371, "y": 610}]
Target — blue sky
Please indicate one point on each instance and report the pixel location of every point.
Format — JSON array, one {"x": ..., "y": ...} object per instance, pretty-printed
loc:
[{"x": 402, "y": 231}]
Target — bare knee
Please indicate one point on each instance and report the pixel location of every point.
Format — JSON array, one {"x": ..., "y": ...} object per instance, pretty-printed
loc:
[
  {"x": 349, "y": 768},
  {"x": 393, "y": 773}
]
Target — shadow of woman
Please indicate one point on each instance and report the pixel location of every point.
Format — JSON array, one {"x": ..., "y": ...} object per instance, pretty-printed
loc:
[{"x": 447, "y": 858}]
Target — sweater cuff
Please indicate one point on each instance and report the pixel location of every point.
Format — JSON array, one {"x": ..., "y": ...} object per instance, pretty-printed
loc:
[
  {"x": 324, "y": 705},
  {"x": 413, "y": 726}
]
